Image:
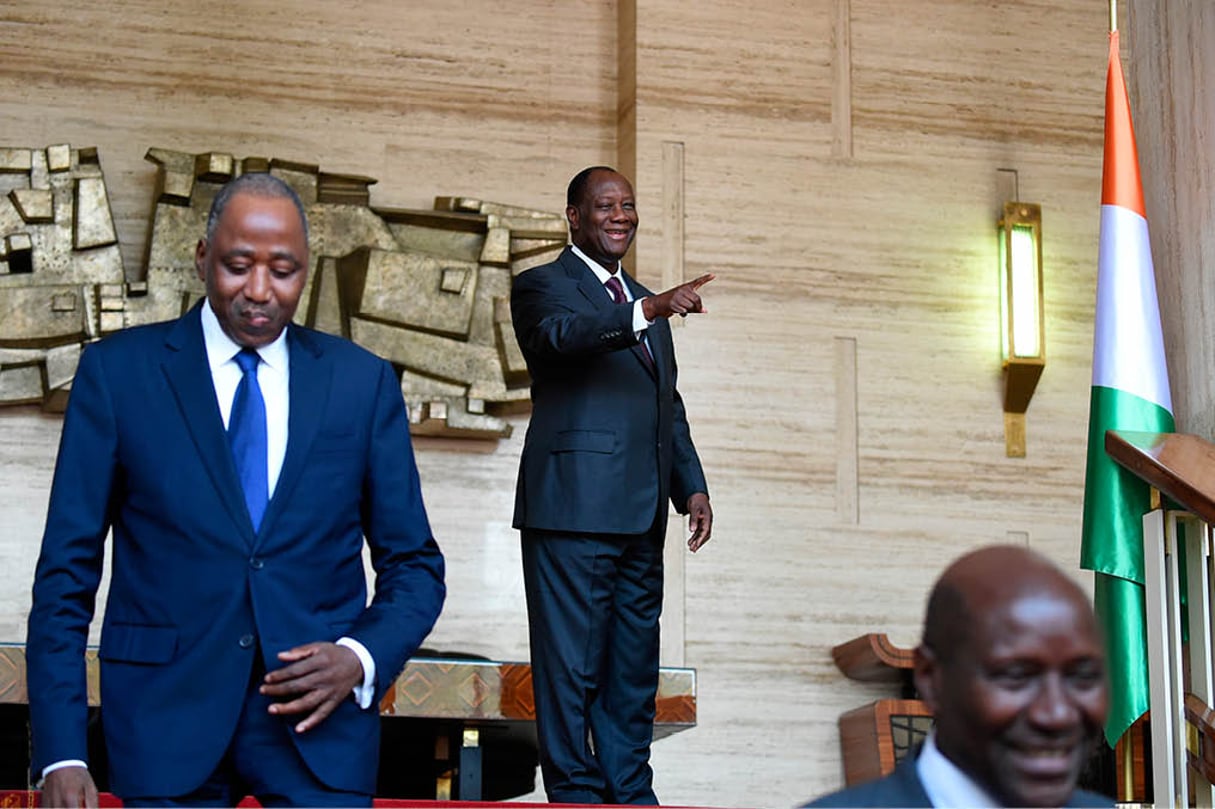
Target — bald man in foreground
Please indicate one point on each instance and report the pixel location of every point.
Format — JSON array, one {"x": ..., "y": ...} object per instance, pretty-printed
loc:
[{"x": 1011, "y": 665}]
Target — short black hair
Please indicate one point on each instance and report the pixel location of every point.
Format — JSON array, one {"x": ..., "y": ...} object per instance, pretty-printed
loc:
[
  {"x": 576, "y": 190},
  {"x": 259, "y": 184}
]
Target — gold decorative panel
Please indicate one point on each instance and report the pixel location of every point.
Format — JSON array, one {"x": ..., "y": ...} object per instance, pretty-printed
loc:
[
  {"x": 431, "y": 688},
  {"x": 58, "y": 250},
  {"x": 425, "y": 289}
]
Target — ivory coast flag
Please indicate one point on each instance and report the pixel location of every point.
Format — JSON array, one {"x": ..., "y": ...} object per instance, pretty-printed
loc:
[{"x": 1130, "y": 392}]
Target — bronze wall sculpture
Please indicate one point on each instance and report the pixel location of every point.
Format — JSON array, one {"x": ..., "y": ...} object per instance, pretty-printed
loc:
[
  {"x": 61, "y": 276},
  {"x": 426, "y": 289}
]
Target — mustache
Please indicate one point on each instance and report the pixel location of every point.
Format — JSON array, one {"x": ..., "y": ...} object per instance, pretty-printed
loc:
[{"x": 254, "y": 311}]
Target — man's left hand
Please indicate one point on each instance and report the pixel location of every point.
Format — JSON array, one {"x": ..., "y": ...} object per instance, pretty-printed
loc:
[
  {"x": 700, "y": 521},
  {"x": 315, "y": 680}
]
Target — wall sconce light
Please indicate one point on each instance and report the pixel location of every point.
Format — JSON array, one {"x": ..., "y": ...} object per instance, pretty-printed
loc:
[{"x": 1022, "y": 326}]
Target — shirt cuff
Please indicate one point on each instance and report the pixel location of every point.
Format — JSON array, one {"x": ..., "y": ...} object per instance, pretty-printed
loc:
[
  {"x": 363, "y": 694},
  {"x": 60, "y": 765},
  {"x": 640, "y": 324}
]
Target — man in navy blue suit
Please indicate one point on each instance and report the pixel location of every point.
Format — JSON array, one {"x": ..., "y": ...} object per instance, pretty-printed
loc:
[
  {"x": 240, "y": 462},
  {"x": 607, "y": 446},
  {"x": 1012, "y": 667}
]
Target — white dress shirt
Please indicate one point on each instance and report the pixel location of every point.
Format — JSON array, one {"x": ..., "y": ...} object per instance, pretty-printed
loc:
[
  {"x": 640, "y": 324},
  {"x": 274, "y": 379},
  {"x": 947, "y": 786}
]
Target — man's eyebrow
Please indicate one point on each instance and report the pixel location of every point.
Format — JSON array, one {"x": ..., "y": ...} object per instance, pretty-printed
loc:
[
  {"x": 275, "y": 255},
  {"x": 284, "y": 255}
]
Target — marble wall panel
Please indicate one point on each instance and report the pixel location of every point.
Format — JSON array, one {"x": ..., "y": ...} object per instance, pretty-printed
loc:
[
  {"x": 893, "y": 248},
  {"x": 1174, "y": 114}
]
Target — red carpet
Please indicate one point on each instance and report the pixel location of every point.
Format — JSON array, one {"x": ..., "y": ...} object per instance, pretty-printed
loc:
[{"x": 10, "y": 798}]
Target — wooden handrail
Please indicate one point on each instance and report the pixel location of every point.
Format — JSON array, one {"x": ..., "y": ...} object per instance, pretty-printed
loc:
[
  {"x": 1178, "y": 581},
  {"x": 873, "y": 658},
  {"x": 1202, "y": 718},
  {"x": 1179, "y": 465}
]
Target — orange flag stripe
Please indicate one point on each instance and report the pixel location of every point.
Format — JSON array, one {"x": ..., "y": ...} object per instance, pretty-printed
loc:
[{"x": 1120, "y": 184}]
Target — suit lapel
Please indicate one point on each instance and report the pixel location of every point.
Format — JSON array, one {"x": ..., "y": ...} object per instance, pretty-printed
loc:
[
  {"x": 588, "y": 284},
  {"x": 655, "y": 333},
  {"x": 311, "y": 373},
  {"x": 189, "y": 376},
  {"x": 911, "y": 789},
  {"x": 594, "y": 292}
]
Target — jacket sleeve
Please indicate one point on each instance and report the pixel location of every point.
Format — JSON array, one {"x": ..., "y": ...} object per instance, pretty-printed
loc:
[
  {"x": 69, "y": 569},
  {"x": 553, "y": 321},
  {"x": 409, "y": 568}
]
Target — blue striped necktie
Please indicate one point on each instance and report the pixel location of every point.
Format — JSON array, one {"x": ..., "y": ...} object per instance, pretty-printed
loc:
[{"x": 247, "y": 435}]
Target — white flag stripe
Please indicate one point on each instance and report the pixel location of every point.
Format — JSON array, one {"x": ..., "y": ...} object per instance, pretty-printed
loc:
[{"x": 1128, "y": 344}]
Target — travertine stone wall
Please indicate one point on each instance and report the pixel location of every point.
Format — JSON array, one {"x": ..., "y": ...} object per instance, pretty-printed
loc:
[
  {"x": 863, "y": 216},
  {"x": 833, "y": 161},
  {"x": 1168, "y": 68}
]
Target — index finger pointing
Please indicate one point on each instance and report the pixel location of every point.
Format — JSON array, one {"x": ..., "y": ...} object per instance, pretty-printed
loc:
[{"x": 702, "y": 280}]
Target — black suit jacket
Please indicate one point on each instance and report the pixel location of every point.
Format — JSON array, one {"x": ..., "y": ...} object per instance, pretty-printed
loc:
[
  {"x": 903, "y": 788},
  {"x": 608, "y": 440}
]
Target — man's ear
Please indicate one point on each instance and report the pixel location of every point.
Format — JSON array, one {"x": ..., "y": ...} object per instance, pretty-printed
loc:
[
  {"x": 571, "y": 216},
  {"x": 925, "y": 675},
  {"x": 200, "y": 260}
]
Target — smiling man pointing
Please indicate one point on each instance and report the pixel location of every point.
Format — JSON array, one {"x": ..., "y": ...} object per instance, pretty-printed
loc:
[{"x": 608, "y": 445}]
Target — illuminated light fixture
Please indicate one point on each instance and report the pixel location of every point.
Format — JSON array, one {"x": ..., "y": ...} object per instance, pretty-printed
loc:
[{"x": 1022, "y": 326}]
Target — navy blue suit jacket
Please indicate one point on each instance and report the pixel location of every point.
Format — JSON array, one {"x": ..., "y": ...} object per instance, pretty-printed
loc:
[
  {"x": 608, "y": 441},
  {"x": 194, "y": 591},
  {"x": 903, "y": 788}
]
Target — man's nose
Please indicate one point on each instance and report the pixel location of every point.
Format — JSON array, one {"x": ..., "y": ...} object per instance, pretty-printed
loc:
[
  {"x": 257, "y": 284},
  {"x": 1054, "y": 706}
]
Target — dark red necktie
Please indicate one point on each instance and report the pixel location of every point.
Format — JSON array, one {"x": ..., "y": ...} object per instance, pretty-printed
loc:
[{"x": 617, "y": 291}]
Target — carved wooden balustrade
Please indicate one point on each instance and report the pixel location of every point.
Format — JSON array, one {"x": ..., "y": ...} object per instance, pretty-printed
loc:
[{"x": 1179, "y": 552}]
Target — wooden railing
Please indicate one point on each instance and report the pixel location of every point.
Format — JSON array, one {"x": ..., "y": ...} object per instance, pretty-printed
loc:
[
  {"x": 1177, "y": 532},
  {"x": 474, "y": 709},
  {"x": 874, "y": 738}
]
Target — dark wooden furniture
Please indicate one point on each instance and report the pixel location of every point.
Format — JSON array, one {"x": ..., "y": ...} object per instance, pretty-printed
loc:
[
  {"x": 466, "y": 724},
  {"x": 875, "y": 737}
]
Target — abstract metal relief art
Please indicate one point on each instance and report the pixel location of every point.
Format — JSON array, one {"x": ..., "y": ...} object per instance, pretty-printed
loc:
[
  {"x": 425, "y": 289},
  {"x": 61, "y": 276}
]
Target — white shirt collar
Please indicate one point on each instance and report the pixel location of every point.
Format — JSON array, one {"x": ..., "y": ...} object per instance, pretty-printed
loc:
[
  {"x": 946, "y": 785},
  {"x": 221, "y": 348},
  {"x": 600, "y": 271}
]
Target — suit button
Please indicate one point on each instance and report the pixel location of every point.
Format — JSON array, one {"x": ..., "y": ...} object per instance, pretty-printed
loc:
[
  {"x": 256, "y": 564},
  {"x": 246, "y": 641}
]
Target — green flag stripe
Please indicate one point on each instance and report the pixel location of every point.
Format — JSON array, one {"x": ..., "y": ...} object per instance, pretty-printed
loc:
[
  {"x": 1114, "y": 504},
  {"x": 1120, "y": 605},
  {"x": 1114, "y": 499}
]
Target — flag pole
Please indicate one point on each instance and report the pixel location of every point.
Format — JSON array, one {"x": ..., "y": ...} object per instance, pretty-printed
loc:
[
  {"x": 1127, "y": 791},
  {"x": 1125, "y": 744}
]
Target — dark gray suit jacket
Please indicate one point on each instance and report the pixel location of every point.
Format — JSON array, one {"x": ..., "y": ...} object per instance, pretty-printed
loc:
[
  {"x": 608, "y": 439},
  {"x": 903, "y": 788}
]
